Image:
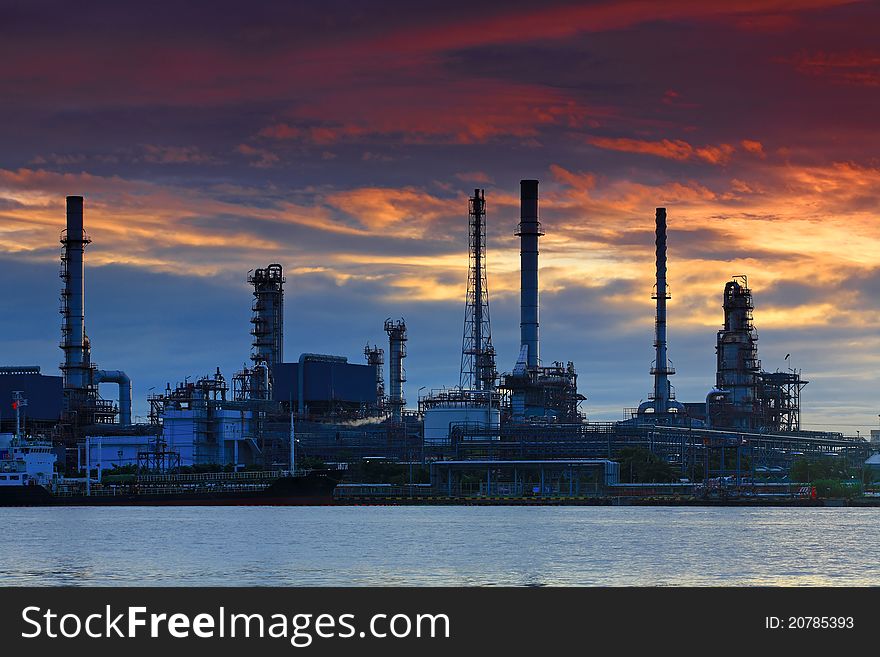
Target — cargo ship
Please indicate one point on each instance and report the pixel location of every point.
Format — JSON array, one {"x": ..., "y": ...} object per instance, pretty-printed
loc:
[{"x": 27, "y": 478}]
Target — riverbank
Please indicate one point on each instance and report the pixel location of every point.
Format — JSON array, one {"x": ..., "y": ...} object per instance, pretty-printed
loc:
[{"x": 603, "y": 501}]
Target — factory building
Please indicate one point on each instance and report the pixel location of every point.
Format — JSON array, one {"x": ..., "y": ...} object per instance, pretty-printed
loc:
[
  {"x": 108, "y": 452},
  {"x": 202, "y": 426},
  {"x": 342, "y": 412},
  {"x": 44, "y": 394},
  {"x": 330, "y": 386}
]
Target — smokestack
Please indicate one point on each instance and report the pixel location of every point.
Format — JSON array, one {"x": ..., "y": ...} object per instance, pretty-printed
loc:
[
  {"x": 661, "y": 369},
  {"x": 529, "y": 232},
  {"x": 73, "y": 340}
]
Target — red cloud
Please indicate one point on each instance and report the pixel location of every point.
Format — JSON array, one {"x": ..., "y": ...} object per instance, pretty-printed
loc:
[
  {"x": 861, "y": 68},
  {"x": 460, "y": 111},
  {"x": 753, "y": 147}
]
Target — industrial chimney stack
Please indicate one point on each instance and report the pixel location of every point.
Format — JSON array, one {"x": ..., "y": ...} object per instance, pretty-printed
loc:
[
  {"x": 529, "y": 232},
  {"x": 76, "y": 367},
  {"x": 661, "y": 370},
  {"x": 80, "y": 378}
]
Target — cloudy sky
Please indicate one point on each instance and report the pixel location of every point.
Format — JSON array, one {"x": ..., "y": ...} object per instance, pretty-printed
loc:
[{"x": 341, "y": 139}]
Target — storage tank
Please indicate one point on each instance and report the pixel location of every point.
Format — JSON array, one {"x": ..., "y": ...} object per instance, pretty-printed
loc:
[{"x": 439, "y": 420}]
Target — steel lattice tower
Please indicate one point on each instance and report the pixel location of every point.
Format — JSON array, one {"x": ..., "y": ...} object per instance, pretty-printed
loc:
[{"x": 477, "y": 353}]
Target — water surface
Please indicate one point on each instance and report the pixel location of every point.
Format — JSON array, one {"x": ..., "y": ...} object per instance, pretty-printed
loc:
[{"x": 419, "y": 546}]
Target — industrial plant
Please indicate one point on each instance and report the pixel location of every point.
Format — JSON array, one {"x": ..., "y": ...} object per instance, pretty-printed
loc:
[{"x": 518, "y": 433}]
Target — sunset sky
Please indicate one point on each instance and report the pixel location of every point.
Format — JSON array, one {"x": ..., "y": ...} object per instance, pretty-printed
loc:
[{"x": 341, "y": 139}]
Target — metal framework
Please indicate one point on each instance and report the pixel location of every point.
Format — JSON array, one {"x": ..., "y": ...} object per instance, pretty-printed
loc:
[
  {"x": 375, "y": 356},
  {"x": 684, "y": 448},
  {"x": 780, "y": 396},
  {"x": 477, "y": 353}
]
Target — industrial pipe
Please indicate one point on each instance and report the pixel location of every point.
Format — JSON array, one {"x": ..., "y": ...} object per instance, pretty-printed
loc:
[
  {"x": 122, "y": 379},
  {"x": 529, "y": 232}
]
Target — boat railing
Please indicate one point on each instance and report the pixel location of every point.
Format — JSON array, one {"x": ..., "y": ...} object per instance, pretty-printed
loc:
[
  {"x": 167, "y": 489},
  {"x": 254, "y": 475}
]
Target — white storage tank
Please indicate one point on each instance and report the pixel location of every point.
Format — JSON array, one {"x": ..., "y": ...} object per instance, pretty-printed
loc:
[{"x": 440, "y": 418}]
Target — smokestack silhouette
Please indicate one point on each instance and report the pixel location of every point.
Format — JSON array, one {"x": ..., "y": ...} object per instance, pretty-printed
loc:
[
  {"x": 73, "y": 338},
  {"x": 661, "y": 369},
  {"x": 529, "y": 232}
]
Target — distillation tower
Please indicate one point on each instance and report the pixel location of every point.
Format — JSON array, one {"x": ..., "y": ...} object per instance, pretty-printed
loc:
[
  {"x": 746, "y": 397},
  {"x": 268, "y": 328},
  {"x": 396, "y": 330}
]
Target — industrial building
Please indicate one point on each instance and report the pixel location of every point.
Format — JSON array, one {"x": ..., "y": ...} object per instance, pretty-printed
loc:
[
  {"x": 327, "y": 386},
  {"x": 520, "y": 432},
  {"x": 44, "y": 394}
]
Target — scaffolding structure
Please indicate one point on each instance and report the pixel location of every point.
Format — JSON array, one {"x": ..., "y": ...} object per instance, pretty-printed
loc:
[
  {"x": 478, "y": 370},
  {"x": 780, "y": 398},
  {"x": 547, "y": 394},
  {"x": 375, "y": 356}
]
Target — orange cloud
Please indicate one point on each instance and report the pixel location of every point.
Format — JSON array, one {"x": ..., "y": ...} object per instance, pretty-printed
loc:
[
  {"x": 409, "y": 210},
  {"x": 672, "y": 149},
  {"x": 754, "y": 147}
]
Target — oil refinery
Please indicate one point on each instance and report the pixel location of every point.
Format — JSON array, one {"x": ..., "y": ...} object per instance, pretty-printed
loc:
[{"x": 518, "y": 434}]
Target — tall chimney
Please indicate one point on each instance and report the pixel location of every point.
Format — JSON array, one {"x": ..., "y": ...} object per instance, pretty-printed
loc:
[
  {"x": 529, "y": 232},
  {"x": 73, "y": 341},
  {"x": 661, "y": 369}
]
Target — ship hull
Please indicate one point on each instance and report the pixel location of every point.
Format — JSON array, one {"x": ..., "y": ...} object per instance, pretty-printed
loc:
[{"x": 285, "y": 491}]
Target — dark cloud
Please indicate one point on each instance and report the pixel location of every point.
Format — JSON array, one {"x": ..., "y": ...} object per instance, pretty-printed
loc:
[{"x": 342, "y": 139}]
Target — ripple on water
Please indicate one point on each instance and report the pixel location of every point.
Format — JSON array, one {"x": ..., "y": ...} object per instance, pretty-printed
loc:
[{"x": 418, "y": 546}]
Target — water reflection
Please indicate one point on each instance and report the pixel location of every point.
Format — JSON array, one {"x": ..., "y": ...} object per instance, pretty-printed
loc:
[{"x": 420, "y": 546}]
